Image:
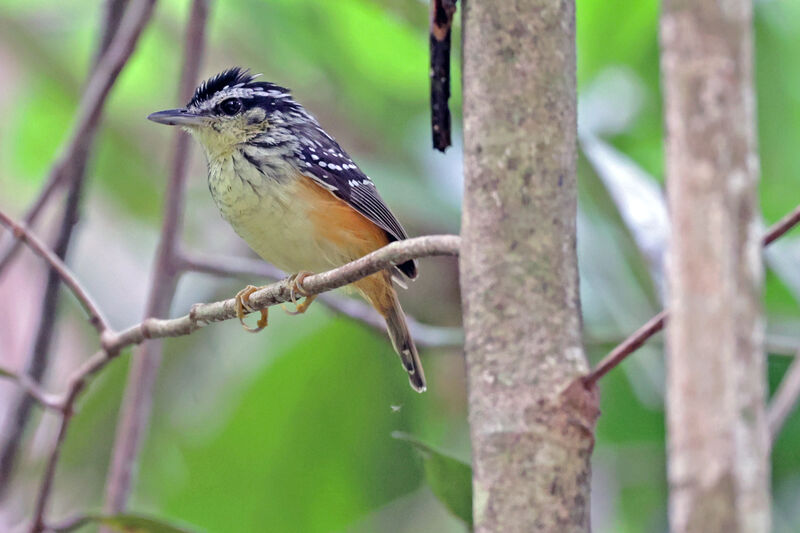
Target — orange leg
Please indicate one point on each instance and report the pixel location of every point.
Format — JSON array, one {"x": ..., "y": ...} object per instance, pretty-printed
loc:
[
  {"x": 297, "y": 280},
  {"x": 243, "y": 307}
]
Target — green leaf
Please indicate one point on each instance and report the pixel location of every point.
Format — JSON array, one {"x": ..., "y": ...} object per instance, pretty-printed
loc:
[
  {"x": 449, "y": 478},
  {"x": 134, "y": 523}
]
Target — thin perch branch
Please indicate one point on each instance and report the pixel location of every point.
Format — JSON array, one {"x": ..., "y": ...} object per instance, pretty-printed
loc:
[
  {"x": 243, "y": 267},
  {"x": 280, "y": 292},
  {"x": 392, "y": 254}
]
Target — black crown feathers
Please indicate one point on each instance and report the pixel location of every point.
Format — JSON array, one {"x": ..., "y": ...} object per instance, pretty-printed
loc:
[{"x": 227, "y": 78}]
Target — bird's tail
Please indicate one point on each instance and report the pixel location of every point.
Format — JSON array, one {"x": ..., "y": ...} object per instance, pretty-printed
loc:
[
  {"x": 404, "y": 345},
  {"x": 380, "y": 293}
]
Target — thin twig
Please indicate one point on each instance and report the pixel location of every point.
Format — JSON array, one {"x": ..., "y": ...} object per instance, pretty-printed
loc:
[
  {"x": 656, "y": 324},
  {"x": 778, "y": 229},
  {"x": 52, "y": 461},
  {"x": 784, "y": 401},
  {"x": 627, "y": 347},
  {"x": 276, "y": 293},
  {"x": 270, "y": 295},
  {"x": 202, "y": 314},
  {"x": 243, "y": 267},
  {"x": 442, "y": 12},
  {"x": 36, "y": 365},
  {"x": 32, "y": 389},
  {"x": 281, "y": 292},
  {"x": 137, "y": 401},
  {"x": 778, "y": 345},
  {"x": 77, "y": 384},
  {"x": 67, "y": 165},
  {"x": 89, "y": 111},
  {"x": 39, "y": 248}
]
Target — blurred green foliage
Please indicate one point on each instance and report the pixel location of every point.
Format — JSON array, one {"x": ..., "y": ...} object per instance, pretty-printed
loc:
[{"x": 290, "y": 430}]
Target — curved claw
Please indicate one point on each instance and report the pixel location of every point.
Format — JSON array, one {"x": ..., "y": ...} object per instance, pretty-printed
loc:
[
  {"x": 296, "y": 287},
  {"x": 243, "y": 307}
]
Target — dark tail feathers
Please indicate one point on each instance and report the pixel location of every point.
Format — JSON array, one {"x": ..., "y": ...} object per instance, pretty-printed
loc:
[{"x": 404, "y": 346}]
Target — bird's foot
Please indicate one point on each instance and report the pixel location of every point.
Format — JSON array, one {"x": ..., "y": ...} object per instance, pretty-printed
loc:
[
  {"x": 243, "y": 307},
  {"x": 296, "y": 281}
]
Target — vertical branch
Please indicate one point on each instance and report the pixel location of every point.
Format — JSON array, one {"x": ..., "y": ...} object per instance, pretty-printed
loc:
[
  {"x": 112, "y": 14},
  {"x": 442, "y": 12},
  {"x": 137, "y": 402},
  {"x": 531, "y": 441},
  {"x": 718, "y": 441},
  {"x": 20, "y": 410}
]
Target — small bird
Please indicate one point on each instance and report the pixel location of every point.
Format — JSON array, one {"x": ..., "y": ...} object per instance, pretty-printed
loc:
[{"x": 293, "y": 194}]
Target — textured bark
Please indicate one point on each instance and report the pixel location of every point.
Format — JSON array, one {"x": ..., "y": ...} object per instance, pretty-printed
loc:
[
  {"x": 531, "y": 443},
  {"x": 718, "y": 441}
]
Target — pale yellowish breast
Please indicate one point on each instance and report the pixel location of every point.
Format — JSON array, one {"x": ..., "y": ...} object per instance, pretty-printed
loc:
[{"x": 288, "y": 219}]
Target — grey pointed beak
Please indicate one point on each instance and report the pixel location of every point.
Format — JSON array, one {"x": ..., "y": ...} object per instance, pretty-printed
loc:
[{"x": 176, "y": 117}]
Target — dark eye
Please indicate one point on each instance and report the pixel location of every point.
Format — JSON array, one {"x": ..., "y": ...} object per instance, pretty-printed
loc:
[{"x": 231, "y": 106}]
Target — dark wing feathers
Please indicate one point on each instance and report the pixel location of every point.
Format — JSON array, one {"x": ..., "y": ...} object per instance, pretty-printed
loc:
[{"x": 323, "y": 160}]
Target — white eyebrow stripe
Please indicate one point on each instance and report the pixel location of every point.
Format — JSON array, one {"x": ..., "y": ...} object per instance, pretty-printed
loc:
[{"x": 237, "y": 91}]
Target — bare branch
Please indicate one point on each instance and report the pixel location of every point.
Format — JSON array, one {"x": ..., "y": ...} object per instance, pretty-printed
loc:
[
  {"x": 19, "y": 408},
  {"x": 52, "y": 461},
  {"x": 442, "y": 12},
  {"x": 270, "y": 295},
  {"x": 280, "y": 292},
  {"x": 137, "y": 402},
  {"x": 32, "y": 389},
  {"x": 202, "y": 314},
  {"x": 656, "y": 324},
  {"x": 39, "y": 248},
  {"x": 784, "y": 401},
  {"x": 627, "y": 347},
  {"x": 67, "y": 408},
  {"x": 243, "y": 267},
  {"x": 778, "y": 229},
  {"x": 89, "y": 111}
]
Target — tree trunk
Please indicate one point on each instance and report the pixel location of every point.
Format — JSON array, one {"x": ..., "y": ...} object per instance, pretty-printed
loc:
[
  {"x": 718, "y": 442},
  {"x": 519, "y": 279}
]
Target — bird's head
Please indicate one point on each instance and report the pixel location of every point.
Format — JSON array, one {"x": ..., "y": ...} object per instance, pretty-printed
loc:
[{"x": 232, "y": 108}]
